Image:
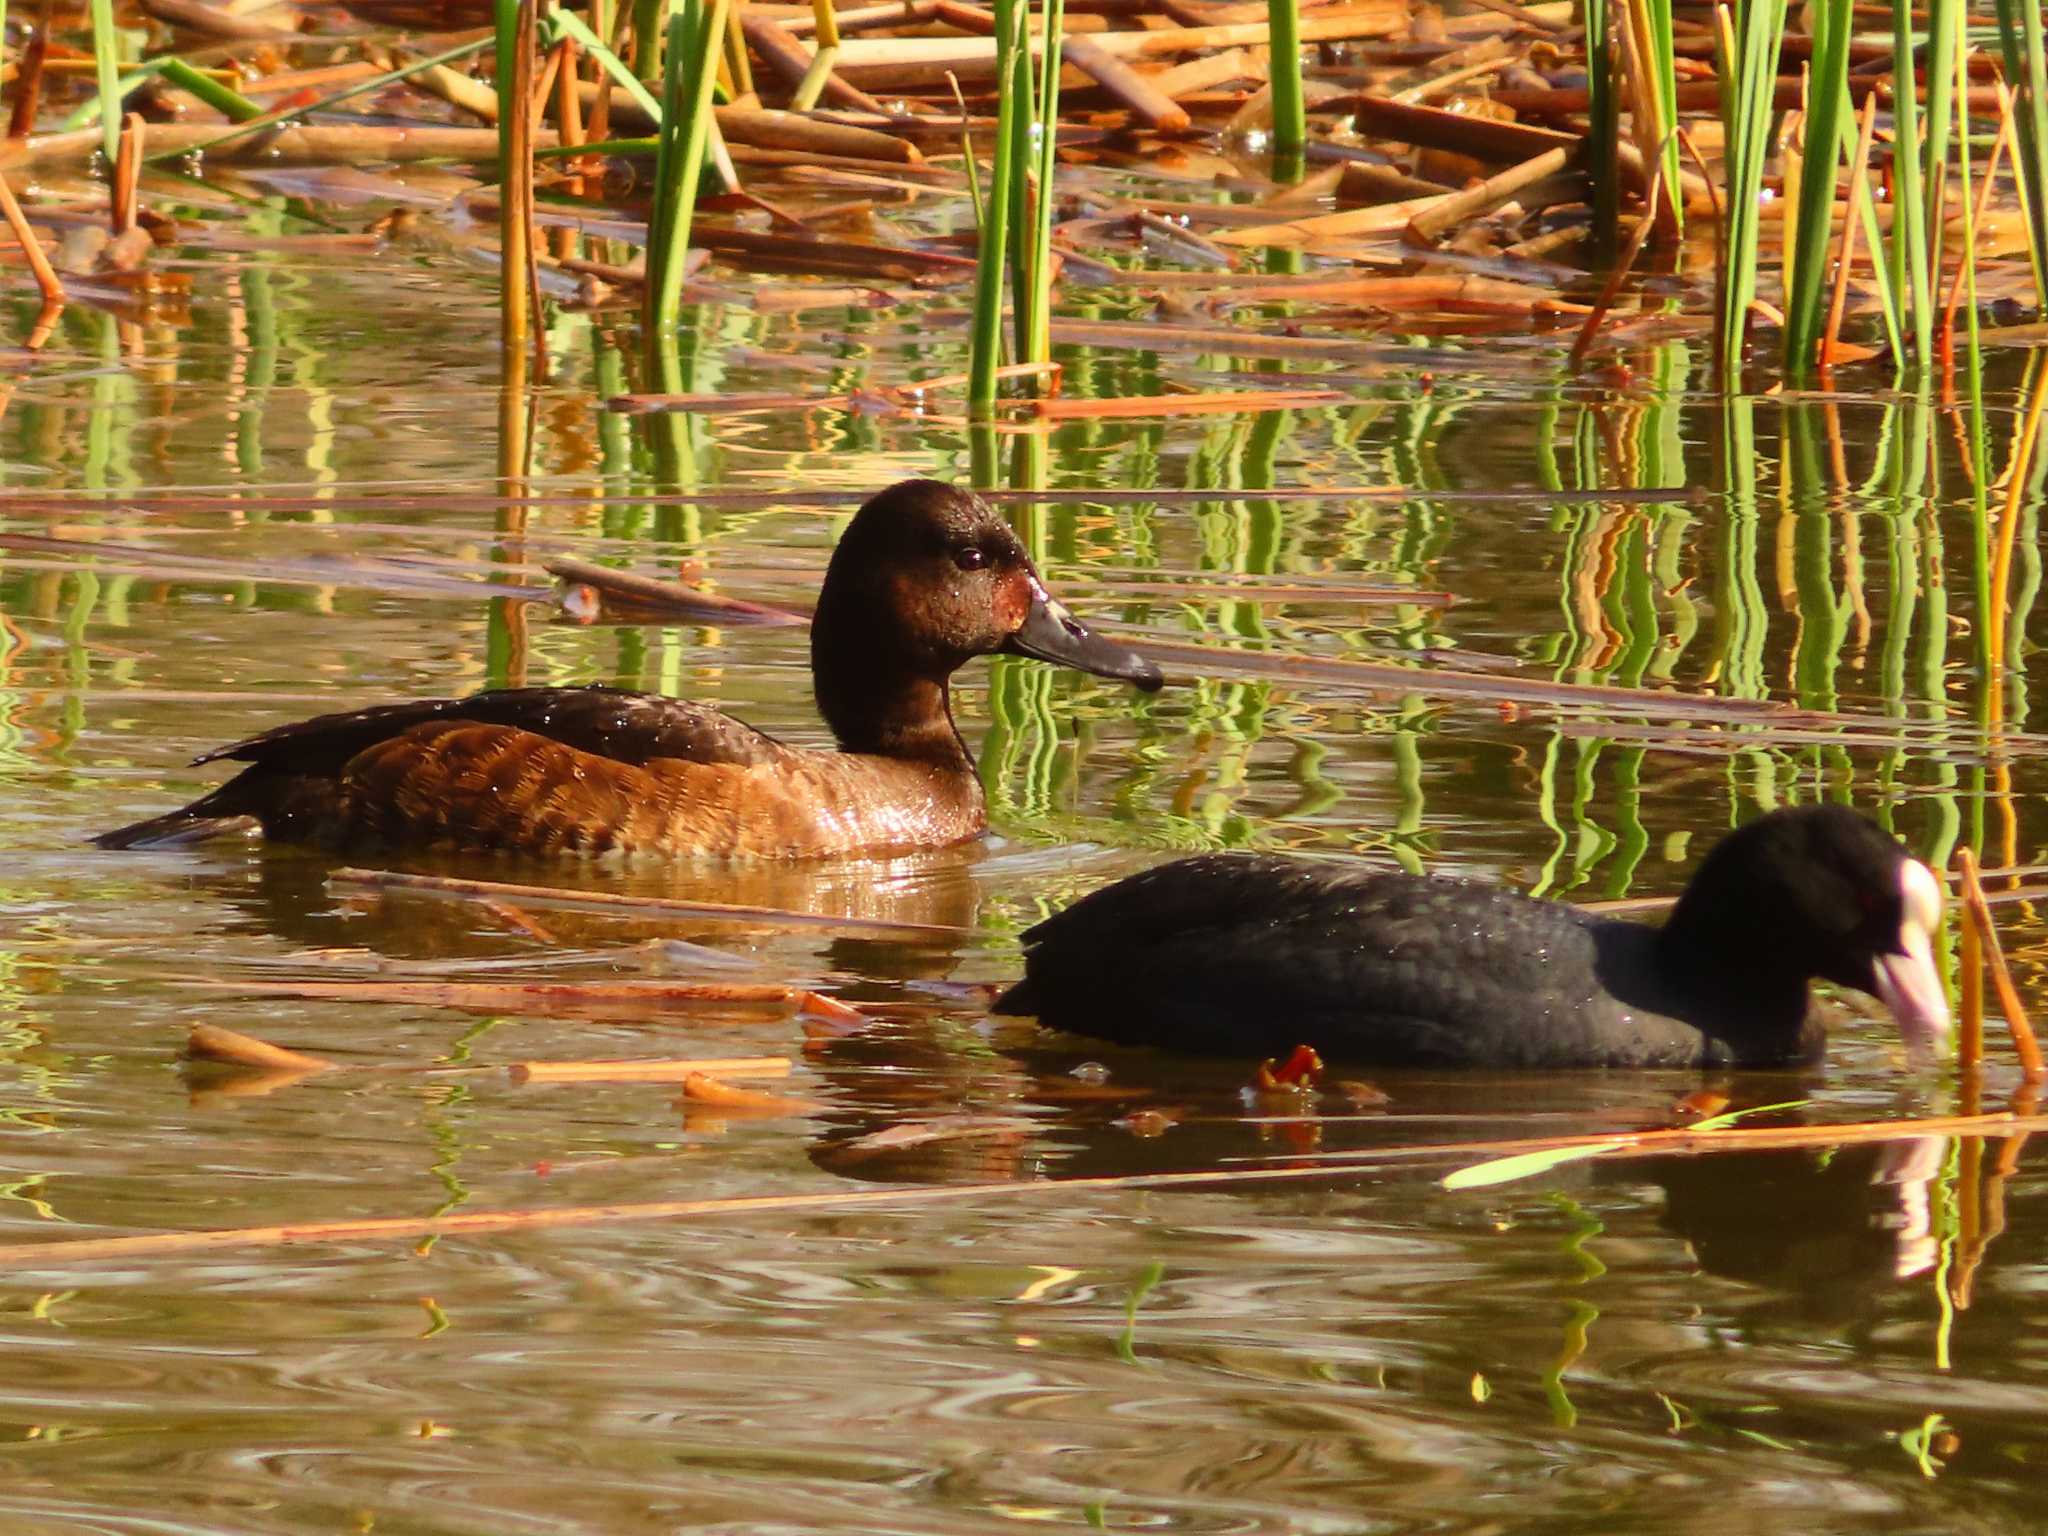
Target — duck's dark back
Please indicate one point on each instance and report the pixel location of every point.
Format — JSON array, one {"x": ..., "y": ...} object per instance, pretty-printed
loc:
[{"x": 1253, "y": 955}]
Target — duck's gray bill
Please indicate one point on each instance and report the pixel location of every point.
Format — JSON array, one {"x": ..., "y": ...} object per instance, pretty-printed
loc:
[{"x": 1050, "y": 633}]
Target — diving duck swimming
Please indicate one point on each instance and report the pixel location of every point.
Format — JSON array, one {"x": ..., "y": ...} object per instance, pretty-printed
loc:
[
  {"x": 1246, "y": 954},
  {"x": 925, "y": 578}
]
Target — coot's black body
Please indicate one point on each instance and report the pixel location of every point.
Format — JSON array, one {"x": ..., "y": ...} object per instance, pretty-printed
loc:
[{"x": 1254, "y": 954}]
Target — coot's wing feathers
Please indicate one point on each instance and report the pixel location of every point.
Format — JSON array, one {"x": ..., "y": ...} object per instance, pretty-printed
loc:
[
  {"x": 1253, "y": 955},
  {"x": 613, "y": 723}
]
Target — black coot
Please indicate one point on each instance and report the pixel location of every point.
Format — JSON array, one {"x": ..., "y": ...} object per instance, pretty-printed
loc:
[{"x": 1249, "y": 954}]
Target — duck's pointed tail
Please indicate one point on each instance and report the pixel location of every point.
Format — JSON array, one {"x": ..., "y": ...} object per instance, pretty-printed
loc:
[
  {"x": 227, "y": 810},
  {"x": 176, "y": 829}
]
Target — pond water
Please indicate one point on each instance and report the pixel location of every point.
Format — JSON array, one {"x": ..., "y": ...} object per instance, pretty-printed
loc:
[{"x": 285, "y": 502}]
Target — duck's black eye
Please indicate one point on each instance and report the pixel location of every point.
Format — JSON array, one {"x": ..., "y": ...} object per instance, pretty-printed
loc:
[{"x": 972, "y": 558}]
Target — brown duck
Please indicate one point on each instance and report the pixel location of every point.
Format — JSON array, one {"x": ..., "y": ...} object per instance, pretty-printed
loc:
[{"x": 926, "y": 577}]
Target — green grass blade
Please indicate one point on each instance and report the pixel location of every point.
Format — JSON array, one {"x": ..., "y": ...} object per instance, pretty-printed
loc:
[
  {"x": 1523, "y": 1165},
  {"x": 232, "y": 105}
]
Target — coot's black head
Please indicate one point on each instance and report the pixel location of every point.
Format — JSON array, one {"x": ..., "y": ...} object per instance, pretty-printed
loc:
[
  {"x": 1820, "y": 891},
  {"x": 928, "y": 575}
]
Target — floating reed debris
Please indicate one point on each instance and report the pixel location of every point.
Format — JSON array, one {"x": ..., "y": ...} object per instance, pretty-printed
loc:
[
  {"x": 214, "y": 1046},
  {"x": 1302, "y": 1168}
]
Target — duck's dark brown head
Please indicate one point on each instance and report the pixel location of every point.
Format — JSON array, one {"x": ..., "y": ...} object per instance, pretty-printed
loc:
[{"x": 926, "y": 577}]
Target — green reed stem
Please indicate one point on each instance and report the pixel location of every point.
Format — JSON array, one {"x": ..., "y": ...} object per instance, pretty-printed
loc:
[
  {"x": 1909, "y": 254},
  {"x": 985, "y": 346},
  {"x": 1603, "y": 133},
  {"x": 1290, "y": 107},
  {"x": 2026, "y": 67},
  {"x": 1749, "y": 80},
  {"x": 647, "y": 16},
  {"x": 1827, "y": 90},
  {"x": 1942, "y": 31},
  {"x": 690, "y": 69},
  {"x": 1035, "y": 326}
]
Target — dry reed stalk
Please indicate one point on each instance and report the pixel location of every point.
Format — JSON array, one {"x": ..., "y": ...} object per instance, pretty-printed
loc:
[
  {"x": 28, "y": 81},
  {"x": 1978, "y": 911},
  {"x": 52, "y": 1255},
  {"x": 1208, "y": 72},
  {"x": 121, "y": 189},
  {"x": 638, "y": 906},
  {"x": 1157, "y": 110},
  {"x": 1362, "y": 182},
  {"x": 1845, "y": 260},
  {"x": 47, "y": 281},
  {"x": 365, "y": 144},
  {"x": 930, "y": 57},
  {"x": 783, "y": 54},
  {"x": 223, "y": 21},
  {"x": 1431, "y": 223},
  {"x": 464, "y": 92},
  {"x": 1438, "y": 128},
  {"x": 1981, "y": 208},
  {"x": 518, "y": 272}
]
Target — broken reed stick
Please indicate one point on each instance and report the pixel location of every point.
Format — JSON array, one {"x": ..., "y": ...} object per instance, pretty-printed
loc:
[
  {"x": 783, "y": 54},
  {"x": 701, "y": 1088},
  {"x": 1429, "y": 224},
  {"x": 1978, "y": 911},
  {"x": 1439, "y": 128},
  {"x": 1159, "y": 111},
  {"x": 215, "y": 1046},
  {"x": 47, "y": 281},
  {"x": 56, "y": 1255},
  {"x": 635, "y": 906},
  {"x": 228, "y": 1048}
]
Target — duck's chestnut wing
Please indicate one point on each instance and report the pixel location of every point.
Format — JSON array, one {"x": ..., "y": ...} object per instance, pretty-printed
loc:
[
  {"x": 1253, "y": 955},
  {"x": 518, "y": 768},
  {"x": 614, "y": 723}
]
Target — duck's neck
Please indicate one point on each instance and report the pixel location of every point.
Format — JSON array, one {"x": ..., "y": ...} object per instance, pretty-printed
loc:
[{"x": 887, "y": 711}]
